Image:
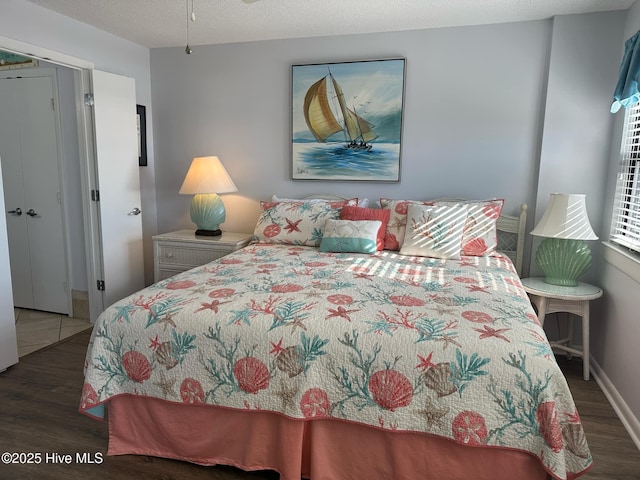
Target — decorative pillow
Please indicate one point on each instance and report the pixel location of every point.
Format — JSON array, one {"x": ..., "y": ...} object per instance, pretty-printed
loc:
[
  {"x": 295, "y": 223},
  {"x": 397, "y": 220},
  {"x": 357, "y": 213},
  {"x": 480, "y": 236},
  {"x": 434, "y": 231},
  {"x": 350, "y": 236}
]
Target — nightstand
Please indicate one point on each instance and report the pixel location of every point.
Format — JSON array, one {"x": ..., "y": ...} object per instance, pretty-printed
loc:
[
  {"x": 574, "y": 300},
  {"x": 182, "y": 250}
]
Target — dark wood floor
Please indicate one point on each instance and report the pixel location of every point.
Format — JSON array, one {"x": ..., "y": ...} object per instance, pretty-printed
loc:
[
  {"x": 38, "y": 413},
  {"x": 615, "y": 455}
]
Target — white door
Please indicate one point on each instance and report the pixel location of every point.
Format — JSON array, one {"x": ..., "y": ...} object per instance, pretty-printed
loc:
[
  {"x": 116, "y": 137},
  {"x": 8, "y": 343},
  {"x": 30, "y": 161}
]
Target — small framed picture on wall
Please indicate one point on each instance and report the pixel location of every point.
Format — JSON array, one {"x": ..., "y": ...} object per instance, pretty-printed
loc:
[{"x": 142, "y": 135}]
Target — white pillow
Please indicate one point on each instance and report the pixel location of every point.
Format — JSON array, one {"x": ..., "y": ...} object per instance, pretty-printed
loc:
[
  {"x": 480, "y": 236},
  {"x": 397, "y": 220},
  {"x": 434, "y": 230},
  {"x": 350, "y": 236}
]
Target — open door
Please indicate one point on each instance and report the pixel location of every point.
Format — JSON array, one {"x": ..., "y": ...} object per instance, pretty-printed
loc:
[
  {"x": 117, "y": 195},
  {"x": 8, "y": 342},
  {"x": 108, "y": 140}
]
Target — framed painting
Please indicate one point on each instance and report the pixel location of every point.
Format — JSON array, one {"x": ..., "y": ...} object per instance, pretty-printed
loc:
[
  {"x": 10, "y": 61},
  {"x": 141, "y": 115},
  {"x": 346, "y": 120}
]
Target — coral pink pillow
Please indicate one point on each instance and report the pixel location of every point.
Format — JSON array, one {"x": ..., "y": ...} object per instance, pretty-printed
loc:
[{"x": 359, "y": 213}]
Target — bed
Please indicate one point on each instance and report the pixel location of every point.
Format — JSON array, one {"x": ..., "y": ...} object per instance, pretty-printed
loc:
[{"x": 332, "y": 348}]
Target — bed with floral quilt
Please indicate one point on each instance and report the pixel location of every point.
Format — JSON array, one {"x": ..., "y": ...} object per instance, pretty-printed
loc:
[{"x": 324, "y": 354}]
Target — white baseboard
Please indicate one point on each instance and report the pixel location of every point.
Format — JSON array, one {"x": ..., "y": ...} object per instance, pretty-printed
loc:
[{"x": 626, "y": 416}]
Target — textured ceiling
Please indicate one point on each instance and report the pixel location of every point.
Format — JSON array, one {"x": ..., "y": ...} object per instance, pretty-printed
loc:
[{"x": 163, "y": 23}]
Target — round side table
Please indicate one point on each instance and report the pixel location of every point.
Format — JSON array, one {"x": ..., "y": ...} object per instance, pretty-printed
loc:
[{"x": 550, "y": 298}]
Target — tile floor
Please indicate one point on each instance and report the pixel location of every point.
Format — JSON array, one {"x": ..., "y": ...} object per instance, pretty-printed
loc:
[{"x": 36, "y": 329}]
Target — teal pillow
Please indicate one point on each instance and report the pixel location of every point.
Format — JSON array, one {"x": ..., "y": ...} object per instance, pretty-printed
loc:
[{"x": 358, "y": 236}]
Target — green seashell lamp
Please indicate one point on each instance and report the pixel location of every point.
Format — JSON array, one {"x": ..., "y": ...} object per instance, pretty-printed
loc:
[
  {"x": 205, "y": 179},
  {"x": 564, "y": 255}
]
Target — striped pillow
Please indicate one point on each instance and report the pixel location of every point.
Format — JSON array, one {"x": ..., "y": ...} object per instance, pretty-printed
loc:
[{"x": 434, "y": 231}]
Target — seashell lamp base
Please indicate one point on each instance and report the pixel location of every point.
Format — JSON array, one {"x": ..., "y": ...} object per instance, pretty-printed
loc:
[
  {"x": 207, "y": 212},
  {"x": 563, "y": 260}
]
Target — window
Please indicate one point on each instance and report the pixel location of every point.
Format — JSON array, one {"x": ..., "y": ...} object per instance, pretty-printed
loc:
[{"x": 625, "y": 228}]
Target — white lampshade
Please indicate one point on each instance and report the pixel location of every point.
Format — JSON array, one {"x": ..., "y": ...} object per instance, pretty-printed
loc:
[
  {"x": 565, "y": 217},
  {"x": 205, "y": 179},
  {"x": 207, "y": 175}
]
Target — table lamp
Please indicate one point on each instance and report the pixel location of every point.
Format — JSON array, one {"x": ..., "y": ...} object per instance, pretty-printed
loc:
[
  {"x": 563, "y": 255},
  {"x": 205, "y": 179}
]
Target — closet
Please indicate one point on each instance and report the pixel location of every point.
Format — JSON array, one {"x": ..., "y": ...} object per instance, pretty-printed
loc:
[{"x": 30, "y": 151}]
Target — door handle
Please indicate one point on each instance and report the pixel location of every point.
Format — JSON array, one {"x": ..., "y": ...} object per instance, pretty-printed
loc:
[
  {"x": 135, "y": 211},
  {"x": 17, "y": 211},
  {"x": 32, "y": 213}
]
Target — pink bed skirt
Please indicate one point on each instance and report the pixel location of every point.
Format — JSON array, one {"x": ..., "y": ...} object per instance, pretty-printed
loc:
[{"x": 318, "y": 449}]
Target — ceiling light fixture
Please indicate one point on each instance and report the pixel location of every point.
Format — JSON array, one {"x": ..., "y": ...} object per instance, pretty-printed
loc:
[{"x": 191, "y": 18}]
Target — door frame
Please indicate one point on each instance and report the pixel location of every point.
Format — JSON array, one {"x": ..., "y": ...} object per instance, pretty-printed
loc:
[
  {"x": 82, "y": 70},
  {"x": 51, "y": 73}
]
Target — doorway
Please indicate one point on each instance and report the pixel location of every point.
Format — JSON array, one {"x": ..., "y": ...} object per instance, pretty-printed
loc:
[
  {"x": 114, "y": 263},
  {"x": 31, "y": 152}
]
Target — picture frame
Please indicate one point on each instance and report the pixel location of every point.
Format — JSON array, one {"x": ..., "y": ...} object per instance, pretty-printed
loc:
[
  {"x": 141, "y": 114},
  {"x": 346, "y": 120},
  {"x": 11, "y": 61}
]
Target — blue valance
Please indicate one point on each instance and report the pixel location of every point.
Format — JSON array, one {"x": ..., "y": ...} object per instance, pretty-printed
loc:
[{"x": 626, "y": 93}]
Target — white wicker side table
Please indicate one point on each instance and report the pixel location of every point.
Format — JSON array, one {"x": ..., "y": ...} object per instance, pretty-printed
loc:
[
  {"x": 574, "y": 300},
  {"x": 179, "y": 251}
]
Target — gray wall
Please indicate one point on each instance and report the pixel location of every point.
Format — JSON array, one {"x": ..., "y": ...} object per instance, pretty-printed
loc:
[
  {"x": 577, "y": 126},
  {"x": 472, "y": 115},
  {"x": 583, "y": 70},
  {"x": 490, "y": 111}
]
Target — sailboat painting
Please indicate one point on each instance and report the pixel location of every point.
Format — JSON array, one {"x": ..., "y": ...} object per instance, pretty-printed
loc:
[{"x": 347, "y": 120}]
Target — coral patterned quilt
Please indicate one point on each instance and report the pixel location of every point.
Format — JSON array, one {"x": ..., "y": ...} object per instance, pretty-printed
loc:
[{"x": 447, "y": 347}]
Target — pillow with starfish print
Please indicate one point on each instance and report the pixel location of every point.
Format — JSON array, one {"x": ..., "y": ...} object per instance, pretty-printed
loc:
[{"x": 296, "y": 223}]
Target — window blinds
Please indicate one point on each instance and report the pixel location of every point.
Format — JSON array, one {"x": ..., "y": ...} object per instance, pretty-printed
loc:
[{"x": 625, "y": 228}]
